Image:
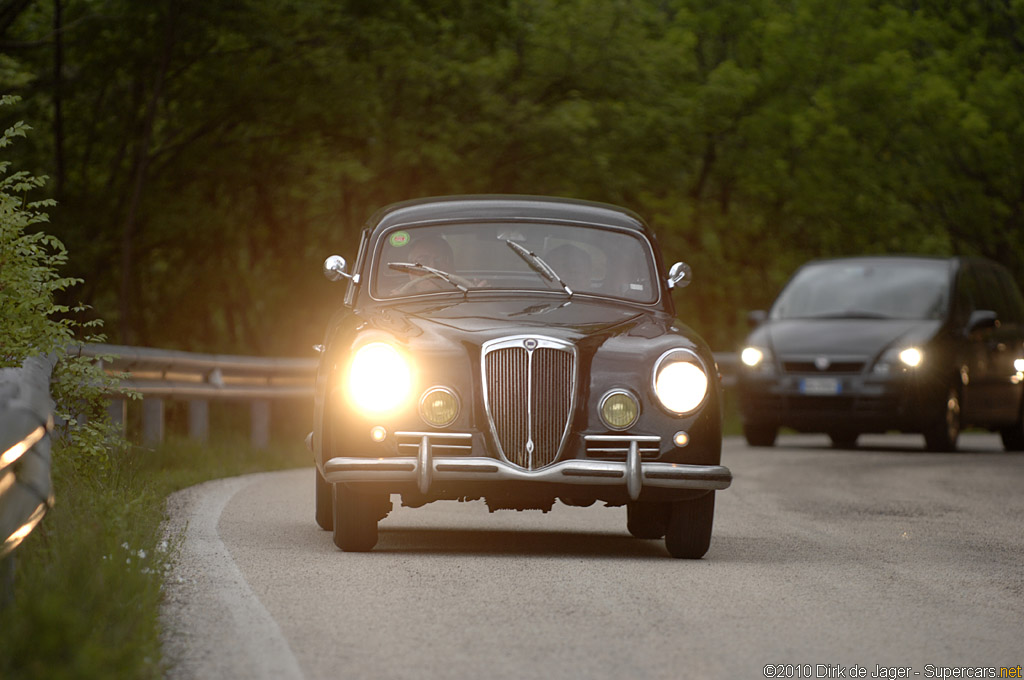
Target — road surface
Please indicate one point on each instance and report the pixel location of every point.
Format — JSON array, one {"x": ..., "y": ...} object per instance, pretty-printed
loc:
[{"x": 823, "y": 563}]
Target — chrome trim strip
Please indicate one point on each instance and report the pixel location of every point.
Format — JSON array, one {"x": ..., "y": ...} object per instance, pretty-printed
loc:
[{"x": 581, "y": 472}]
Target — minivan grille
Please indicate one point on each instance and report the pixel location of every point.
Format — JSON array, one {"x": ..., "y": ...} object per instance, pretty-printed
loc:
[{"x": 528, "y": 393}]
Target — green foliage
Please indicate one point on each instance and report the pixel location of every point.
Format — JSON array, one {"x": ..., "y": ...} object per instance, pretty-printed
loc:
[
  {"x": 34, "y": 324},
  {"x": 229, "y": 147}
]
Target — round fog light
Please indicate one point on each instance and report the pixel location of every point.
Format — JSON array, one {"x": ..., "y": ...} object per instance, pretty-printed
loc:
[
  {"x": 439, "y": 406},
  {"x": 378, "y": 433},
  {"x": 619, "y": 409},
  {"x": 681, "y": 439}
]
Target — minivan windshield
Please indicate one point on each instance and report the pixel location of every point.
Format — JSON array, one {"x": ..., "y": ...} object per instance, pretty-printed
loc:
[{"x": 859, "y": 289}]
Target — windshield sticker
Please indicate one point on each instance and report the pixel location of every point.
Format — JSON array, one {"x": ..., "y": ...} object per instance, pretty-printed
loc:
[{"x": 399, "y": 239}]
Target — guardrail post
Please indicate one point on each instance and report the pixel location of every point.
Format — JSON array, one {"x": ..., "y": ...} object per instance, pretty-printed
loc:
[
  {"x": 153, "y": 421},
  {"x": 117, "y": 409},
  {"x": 259, "y": 413},
  {"x": 199, "y": 420}
]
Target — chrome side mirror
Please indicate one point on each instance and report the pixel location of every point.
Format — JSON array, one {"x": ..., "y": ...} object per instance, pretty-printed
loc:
[
  {"x": 680, "y": 275},
  {"x": 335, "y": 268}
]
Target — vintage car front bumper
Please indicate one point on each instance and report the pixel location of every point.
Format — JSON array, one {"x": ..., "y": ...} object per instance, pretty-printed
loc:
[{"x": 425, "y": 468}]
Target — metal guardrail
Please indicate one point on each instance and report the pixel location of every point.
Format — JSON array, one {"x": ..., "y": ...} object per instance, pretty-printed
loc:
[
  {"x": 26, "y": 490},
  {"x": 160, "y": 374}
]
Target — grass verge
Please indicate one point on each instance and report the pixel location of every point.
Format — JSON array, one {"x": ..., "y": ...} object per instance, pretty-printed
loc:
[{"x": 87, "y": 582}]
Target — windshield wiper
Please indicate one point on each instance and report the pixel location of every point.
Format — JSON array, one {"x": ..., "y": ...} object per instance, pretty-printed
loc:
[
  {"x": 539, "y": 265},
  {"x": 416, "y": 266}
]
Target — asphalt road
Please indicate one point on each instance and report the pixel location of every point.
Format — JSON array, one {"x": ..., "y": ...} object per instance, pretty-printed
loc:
[{"x": 827, "y": 561}]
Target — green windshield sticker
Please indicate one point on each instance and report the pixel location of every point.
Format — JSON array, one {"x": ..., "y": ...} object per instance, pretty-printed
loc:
[{"x": 399, "y": 239}]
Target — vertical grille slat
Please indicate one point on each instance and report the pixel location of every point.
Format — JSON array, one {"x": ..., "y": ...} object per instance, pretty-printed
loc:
[{"x": 529, "y": 396}]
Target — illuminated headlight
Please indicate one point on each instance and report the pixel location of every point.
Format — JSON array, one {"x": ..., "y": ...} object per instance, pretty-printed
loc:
[
  {"x": 439, "y": 406},
  {"x": 756, "y": 357},
  {"x": 912, "y": 357},
  {"x": 619, "y": 409},
  {"x": 380, "y": 378},
  {"x": 899, "y": 358},
  {"x": 680, "y": 382}
]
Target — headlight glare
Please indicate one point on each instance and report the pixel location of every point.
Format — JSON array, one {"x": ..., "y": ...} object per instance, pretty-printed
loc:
[
  {"x": 751, "y": 356},
  {"x": 379, "y": 378},
  {"x": 619, "y": 409},
  {"x": 680, "y": 383},
  {"x": 912, "y": 357}
]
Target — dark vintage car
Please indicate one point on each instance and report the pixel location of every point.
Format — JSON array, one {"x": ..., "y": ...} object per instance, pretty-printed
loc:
[
  {"x": 872, "y": 344},
  {"x": 517, "y": 350}
]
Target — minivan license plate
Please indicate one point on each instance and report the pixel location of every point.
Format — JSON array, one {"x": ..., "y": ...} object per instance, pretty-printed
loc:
[{"x": 820, "y": 386}]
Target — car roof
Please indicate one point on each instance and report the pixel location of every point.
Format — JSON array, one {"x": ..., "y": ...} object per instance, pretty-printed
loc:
[{"x": 505, "y": 207}]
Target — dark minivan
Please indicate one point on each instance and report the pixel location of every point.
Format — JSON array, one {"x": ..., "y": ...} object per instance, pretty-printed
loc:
[{"x": 873, "y": 344}]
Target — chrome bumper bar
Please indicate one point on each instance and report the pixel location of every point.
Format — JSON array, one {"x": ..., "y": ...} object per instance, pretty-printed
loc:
[{"x": 424, "y": 469}]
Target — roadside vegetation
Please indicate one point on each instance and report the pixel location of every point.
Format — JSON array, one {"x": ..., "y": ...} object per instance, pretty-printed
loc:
[{"x": 86, "y": 589}]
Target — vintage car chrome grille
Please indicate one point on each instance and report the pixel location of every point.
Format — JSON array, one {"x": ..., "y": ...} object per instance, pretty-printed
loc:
[{"x": 529, "y": 395}]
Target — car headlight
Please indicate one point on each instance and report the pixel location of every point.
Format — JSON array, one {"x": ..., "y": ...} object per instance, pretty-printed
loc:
[
  {"x": 619, "y": 409},
  {"x": 899, "y": 358},
  {"x": 757, "y": 358},
  {"x": 680, "y": 381},
  {"x": 379, "y": 378}
]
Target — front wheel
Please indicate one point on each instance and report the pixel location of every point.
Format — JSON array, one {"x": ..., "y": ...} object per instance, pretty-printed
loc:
[
  {"x": 324, "y": 499},
  {"x": 647, "y": 520},
  {"x": 689, "y": 527},
  {"x": 355, "y": 518},
  {"x": 943, "y": 428},
  {"x": 759, "y": 434}
]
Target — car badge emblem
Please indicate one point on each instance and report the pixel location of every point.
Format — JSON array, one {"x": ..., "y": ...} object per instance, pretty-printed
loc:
[
  {"x": 822, "y": 363},
  {"x": 530, "y": 344}
]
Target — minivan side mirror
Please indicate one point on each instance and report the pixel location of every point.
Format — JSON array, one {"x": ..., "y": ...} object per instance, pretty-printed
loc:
[
  {"x": 335, "y": 268},
  {"x": 680, "y": 275},
  {"x": 981, "y": 319},
  {"x": 756, "y": 317}
]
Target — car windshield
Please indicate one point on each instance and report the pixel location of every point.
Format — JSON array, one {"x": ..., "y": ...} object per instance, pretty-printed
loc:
[
  {"x": 464, "y": 257},
  {"x": 899, "y": 289}
]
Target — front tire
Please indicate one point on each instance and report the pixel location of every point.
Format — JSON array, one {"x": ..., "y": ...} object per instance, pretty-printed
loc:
[
  {"x": 647, "y": 520},
  {"x": 689, "y": 527},
  {"x": 1013, "y": 436},
  {"x": 355, "y": 518},
  {"x": 759, "y": 434},
  {"x": 943, "y": 429},
  {"x": 324, "y": 499}
]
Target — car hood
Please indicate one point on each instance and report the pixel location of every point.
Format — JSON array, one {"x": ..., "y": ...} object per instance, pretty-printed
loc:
[
  {"x": 477, "y": 321},
  {"x": 840, "y": 337}
]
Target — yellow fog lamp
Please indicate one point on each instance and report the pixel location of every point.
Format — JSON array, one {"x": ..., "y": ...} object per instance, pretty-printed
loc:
[
  {"x": 439, "y": 406},
  {"x": 619, "y": 409}
]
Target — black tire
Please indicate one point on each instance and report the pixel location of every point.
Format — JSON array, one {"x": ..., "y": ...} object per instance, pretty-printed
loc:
[
  {"x": 324, "y": 499},
  {"x": 1013, "y": 436},
  {"x": 647, "y": 520},
  {"x": 842, "y": 439},
  {"x": 942, "y": 430},
  {"x": 689, "y": 527},
  {"x": 355, "y": 519},
  {"x": 759, "y": 434}
]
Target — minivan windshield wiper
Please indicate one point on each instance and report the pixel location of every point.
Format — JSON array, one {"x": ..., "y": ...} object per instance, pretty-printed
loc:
[
  {"x": 851, "y": 314},
  {"x": 538, "y": 265},
  {"x": 439, "y": 273}
]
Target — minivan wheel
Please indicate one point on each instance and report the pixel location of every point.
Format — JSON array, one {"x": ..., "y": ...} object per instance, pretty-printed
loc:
[
  {"x": 1013, "y": 436},
  {"x": 943, "y": 429},
  {"x": 760, "y": 434}
]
